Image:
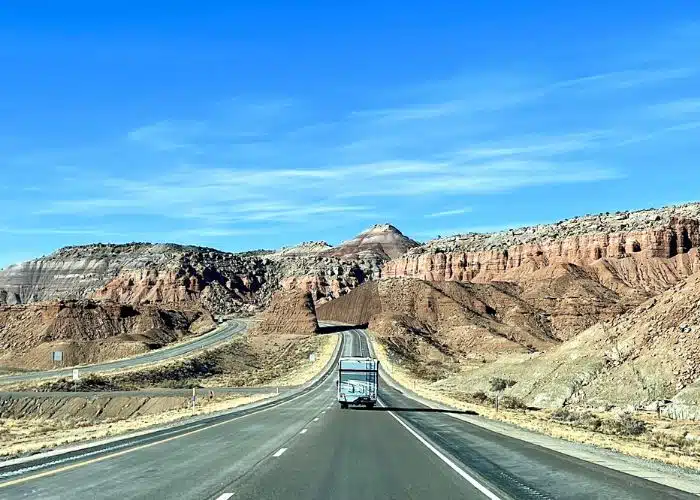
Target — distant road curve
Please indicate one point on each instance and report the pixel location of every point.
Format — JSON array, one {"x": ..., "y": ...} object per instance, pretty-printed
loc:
[{"x": 225, "y": 332}]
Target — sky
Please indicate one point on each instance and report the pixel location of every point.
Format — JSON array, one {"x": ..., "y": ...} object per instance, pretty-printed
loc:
[{"x": 246, "y": 125}]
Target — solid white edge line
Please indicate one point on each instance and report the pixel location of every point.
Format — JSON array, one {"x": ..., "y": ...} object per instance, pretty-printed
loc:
[
  {"x": 279, "y": 452},
  {"x": 224, "y": 496},
  {"x": 445, "y": 459}
]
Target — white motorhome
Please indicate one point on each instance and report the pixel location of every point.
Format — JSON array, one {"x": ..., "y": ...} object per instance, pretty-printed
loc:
[{"x": 358, "y": 381}]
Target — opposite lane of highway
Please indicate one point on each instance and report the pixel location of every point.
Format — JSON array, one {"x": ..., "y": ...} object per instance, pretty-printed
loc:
[{"x": 221, "y": 334}]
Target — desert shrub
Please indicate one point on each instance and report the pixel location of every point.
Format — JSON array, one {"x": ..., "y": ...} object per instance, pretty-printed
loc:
[
  {"x": 625, "y": 425},
  {"x": 583, "y": 420},
  {"x": 480, "y": 397},
  {"x": 666, "y": 440},
  {"x": 498, "y": 384},
  {"x": 564, "y": 415},
  {"x": 512, "y": 403}
]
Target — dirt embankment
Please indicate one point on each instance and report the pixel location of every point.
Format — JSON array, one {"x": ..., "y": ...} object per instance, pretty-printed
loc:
[
  {"x": 291, "y": 312},
  {"x": 649, "y": 357},
  {"x": 89, "y": 332},
  {"x": 640, "y": 434},
  {"x": 445, "y": 322}
]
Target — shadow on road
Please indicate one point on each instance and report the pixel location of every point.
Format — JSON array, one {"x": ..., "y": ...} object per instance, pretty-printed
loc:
[
  {"x": 423, "y": 410},
  {"x": 338, "y": 328}
]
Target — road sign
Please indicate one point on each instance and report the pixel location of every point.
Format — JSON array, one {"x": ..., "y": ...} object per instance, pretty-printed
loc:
[
  {"x": 76, "y": 374},
  {"x": 56, "y": 356}
]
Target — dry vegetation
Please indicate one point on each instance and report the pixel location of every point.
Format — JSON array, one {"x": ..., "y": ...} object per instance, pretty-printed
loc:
[
  {"x": 245, "y": 362},
  {"x": 643, "y": 435},
  {"x": 31, "y": 435}
]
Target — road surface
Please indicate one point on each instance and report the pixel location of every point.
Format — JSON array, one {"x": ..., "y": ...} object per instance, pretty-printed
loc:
[
  {"x": 221, "y": 334},
  {"x": 307, "y": 447}
]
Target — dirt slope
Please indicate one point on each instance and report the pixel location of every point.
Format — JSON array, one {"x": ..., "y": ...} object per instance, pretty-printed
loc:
[
  {"x": 650, "y": 354},
  {"x": 291, "y": 311},
  {"x": 444, "y": 319},
  {"x": 88, "y": 331}
]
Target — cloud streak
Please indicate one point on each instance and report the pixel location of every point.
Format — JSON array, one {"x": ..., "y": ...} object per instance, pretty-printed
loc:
[{"x": 450, "y": 213}]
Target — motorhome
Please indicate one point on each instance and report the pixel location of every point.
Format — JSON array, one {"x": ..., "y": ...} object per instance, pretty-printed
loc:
[{"x": 358, "y": 381}]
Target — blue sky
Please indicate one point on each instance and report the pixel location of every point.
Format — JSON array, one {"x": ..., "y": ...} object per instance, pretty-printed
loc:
[{"x": 258, "y": 125}]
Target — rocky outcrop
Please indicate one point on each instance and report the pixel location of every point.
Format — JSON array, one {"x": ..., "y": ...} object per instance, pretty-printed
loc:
[
  {"x": 88, "y": 331},
  {"x": 668, "y": 233},
  {"x": 381, "y": 240},
  {"x": 291, "y": 312},
  {"x": 181, "y": 276}
]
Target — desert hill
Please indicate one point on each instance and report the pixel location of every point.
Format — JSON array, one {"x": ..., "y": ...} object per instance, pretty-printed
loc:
[
  {"x": 650, "y": 354},
  {"x": 88, "y": 331}
]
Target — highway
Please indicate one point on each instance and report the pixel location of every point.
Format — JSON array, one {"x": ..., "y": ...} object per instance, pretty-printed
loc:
[
  {"x": 306, "y": 447},
  {"x": 221, "y": 334}
]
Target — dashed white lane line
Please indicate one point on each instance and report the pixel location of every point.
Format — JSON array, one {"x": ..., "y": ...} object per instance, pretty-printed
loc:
[
  {"x": 316, "y": 419},
  {"x": 279, "y": 452},
  {"x": 445, "y": 459},
  {"x": 324, "y": 411},
  {"x": 303, "y": 431},
  {"x": 224, "y": 496}
]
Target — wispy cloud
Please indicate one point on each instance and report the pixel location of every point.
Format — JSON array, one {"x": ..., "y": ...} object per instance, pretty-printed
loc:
[
  {"x": 676, "y": 108},
  {"x": 449, "y": 213}
]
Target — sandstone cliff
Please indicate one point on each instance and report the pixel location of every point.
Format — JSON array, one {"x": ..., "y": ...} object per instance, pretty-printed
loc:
[{"x": 668, "y": 233}]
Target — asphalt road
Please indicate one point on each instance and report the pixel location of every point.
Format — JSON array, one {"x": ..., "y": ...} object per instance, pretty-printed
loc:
[
  {"x": 221, "y": 334},
  {"x": 307, "y": 447}
]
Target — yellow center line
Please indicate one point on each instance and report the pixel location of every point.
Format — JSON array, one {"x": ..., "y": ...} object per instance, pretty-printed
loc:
[{"x": 65, "y": 468}]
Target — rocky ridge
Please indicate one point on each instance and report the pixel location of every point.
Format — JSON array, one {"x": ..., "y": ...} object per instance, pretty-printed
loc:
[
  {"x": 186, "y": 276},
  {"x": 633, "y": 254}
]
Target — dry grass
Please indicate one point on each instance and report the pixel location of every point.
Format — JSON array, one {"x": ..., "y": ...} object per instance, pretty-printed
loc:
[
  {"x": 292, "y": 371},
  {"x": 243, "y": 362},
  {"x": 668, "y": 441},
  {"x": 27, "y": 435}
]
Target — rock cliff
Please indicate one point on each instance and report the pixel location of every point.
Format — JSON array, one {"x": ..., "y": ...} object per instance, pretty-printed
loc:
[
  {"x": 184, "y": 276},
  {"x": 667, "y": 233},
  {"x": 580, "y": 270}
]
